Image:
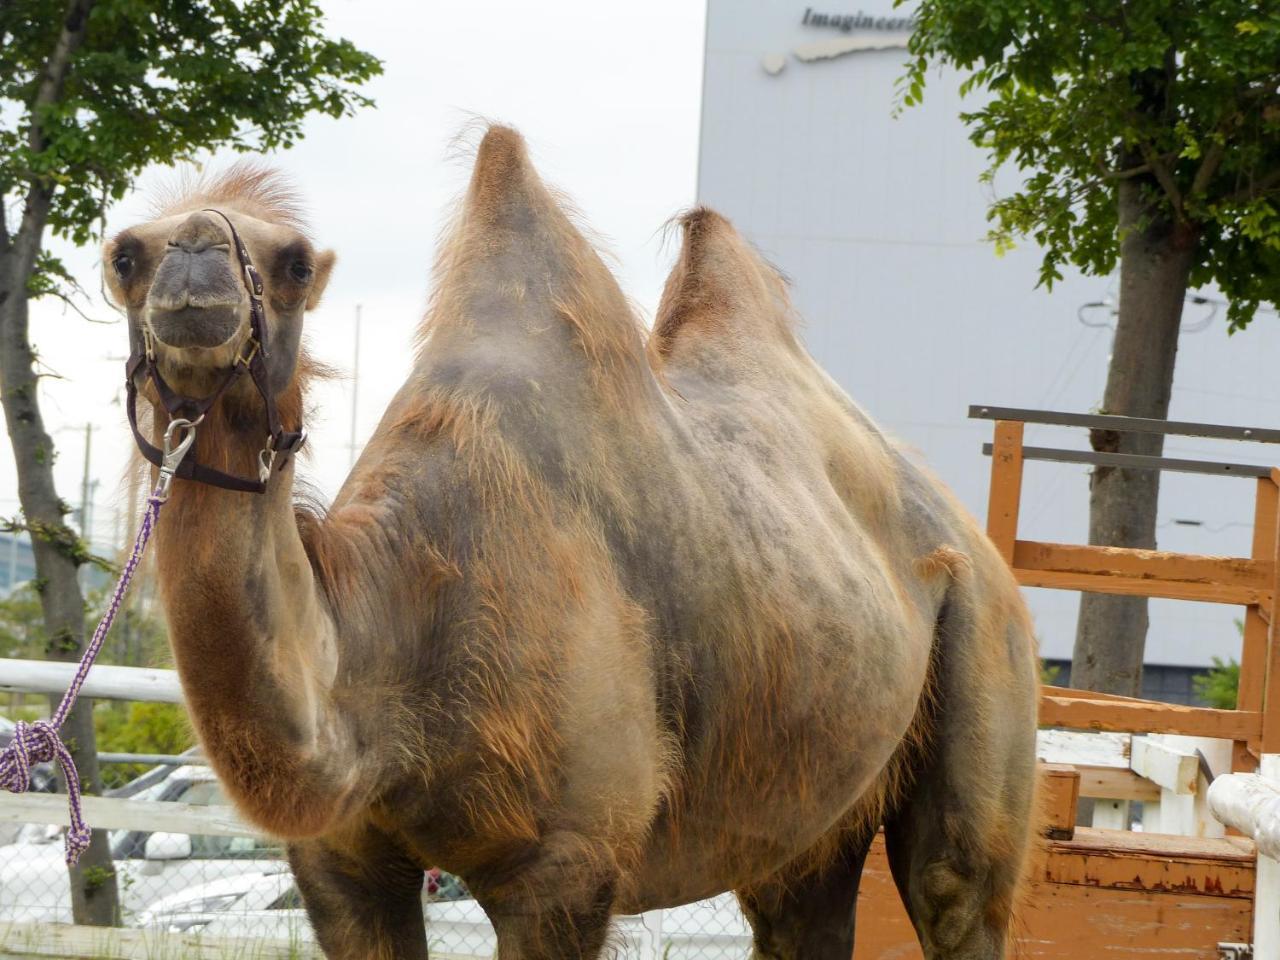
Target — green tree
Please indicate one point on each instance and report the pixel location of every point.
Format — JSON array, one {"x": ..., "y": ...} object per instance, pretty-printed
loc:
[
  {"x": 1220, "y": 685},
  {"x": 91, "y": 92},
  {"x": 22, "y": 633},
  {"x": 137, "y": 638},
  {"x": 140, "y": 728},
  {"x": 1147, "y": 132}
]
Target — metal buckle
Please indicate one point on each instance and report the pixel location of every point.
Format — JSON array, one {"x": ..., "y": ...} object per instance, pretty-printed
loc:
[
  {"x": 173, "y": 455},
  {"x": 254, "y": 279},
  {"x": 148, "y": 341},
  {"x": 266, "y": 458},
  {"x": 254, "y": 346}
]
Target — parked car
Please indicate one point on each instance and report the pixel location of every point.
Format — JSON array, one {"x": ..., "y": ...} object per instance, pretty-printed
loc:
[
  {"x": 267, "y": 906},
  {"x": 149, "y": 865}
]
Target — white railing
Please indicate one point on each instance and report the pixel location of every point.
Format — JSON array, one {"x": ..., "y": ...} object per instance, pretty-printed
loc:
[{"x": 103, "y": 683}]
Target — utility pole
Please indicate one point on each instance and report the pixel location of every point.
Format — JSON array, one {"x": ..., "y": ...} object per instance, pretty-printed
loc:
[
  {"x": 85, "y": 496},
  {"x": 84, "y": 483},
  {"x": 355, "y": 389}
]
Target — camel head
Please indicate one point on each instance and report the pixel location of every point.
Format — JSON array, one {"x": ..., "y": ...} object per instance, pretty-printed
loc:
[{"x": 180, "y": 280}]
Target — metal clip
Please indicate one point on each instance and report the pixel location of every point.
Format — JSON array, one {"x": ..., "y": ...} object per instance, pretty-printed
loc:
[
  {"x": 173, "y": 455},
  {"x": 247, "y": 358},
  {"x": 266, "y": 458}
]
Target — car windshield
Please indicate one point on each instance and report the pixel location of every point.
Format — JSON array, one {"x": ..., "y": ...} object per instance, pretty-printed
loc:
[{"x": 131, "y": 844}]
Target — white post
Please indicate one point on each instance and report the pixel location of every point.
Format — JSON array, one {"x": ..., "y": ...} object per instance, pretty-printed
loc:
[
  {"x": 651, "y": 938},
  {"x": 1266, "y": 897},
  {"x": 1111, "y": 814},
  {"x": 1251, "y": 804}
]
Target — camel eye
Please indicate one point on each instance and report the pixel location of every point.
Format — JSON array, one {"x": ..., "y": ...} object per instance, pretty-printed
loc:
[
  {"x": 122, "y": 263},
  {"x": 300, "y": 270}
]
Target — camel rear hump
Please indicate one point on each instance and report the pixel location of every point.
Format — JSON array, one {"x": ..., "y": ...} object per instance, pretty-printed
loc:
[
  {"x": 515, "y": 265},
  {"x": 722, "y": 294}
]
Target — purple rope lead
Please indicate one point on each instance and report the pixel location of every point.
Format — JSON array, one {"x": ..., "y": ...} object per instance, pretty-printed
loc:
[{"x": 39, "y": 742}]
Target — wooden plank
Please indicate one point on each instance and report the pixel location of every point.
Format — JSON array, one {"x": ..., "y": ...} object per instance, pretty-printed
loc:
[
  {"x": 1140, "y": 587},
  {"x": 1229, "y": 850},
  {"x": 1076, "y": 920},
  {"x": 1271, "y": 678},
  {"x": 1083, "y": 749},
  {"x": 1059, "y": 796},
  {"x": 1175, "y": 770},
  {"x": 1243, "y": 760},
  {"x": 103, "y": 682},
  {"x": 1102, "y": 421},
  {"x": 1133, "y": 461},
  {"x": 1253, "y": 654},
  {"x": 1147, "y": 717},
  {"x": 1253, "y": 663},
  {"x": 111, "y": 813},
  {"x": 1114, "y": 783},
  {"x": 1159, "y": 565},
  {"x": 1005, "y": 496},
  {"x": 1153, "y": 862},
  {"x": 1073, "y": 693}
]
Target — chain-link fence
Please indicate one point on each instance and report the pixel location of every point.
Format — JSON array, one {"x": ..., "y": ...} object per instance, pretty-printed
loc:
[{"x": 223, "y": 885}]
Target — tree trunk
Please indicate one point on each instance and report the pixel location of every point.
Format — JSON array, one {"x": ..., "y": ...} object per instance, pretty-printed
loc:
[
  {"x": 1155, "y": 261},
  {"x": 94, "y": 896}
]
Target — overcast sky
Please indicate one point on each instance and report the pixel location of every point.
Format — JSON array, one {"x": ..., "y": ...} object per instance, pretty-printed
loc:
[{"x": 608, "y": 96}]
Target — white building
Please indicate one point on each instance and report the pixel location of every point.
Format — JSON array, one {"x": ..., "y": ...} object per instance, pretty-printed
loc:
[{"x": 880, "y": 224}]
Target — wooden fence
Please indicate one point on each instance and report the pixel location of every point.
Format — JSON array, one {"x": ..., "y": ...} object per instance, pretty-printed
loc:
[{"x": 1254, "y": 727}]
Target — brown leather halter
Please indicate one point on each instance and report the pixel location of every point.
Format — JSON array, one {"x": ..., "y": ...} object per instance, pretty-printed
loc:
[{"x": 281, "y": 443}]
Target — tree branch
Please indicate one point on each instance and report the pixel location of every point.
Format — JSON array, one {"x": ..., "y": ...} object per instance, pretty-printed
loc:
[
  {"x": 1208, "y": 167},
  {"x": 1163, "y": 177},
  {"x": 1256, "y": 189},
  {"x": 69, "y": 302},
  {"x": 53, "y": 80}
]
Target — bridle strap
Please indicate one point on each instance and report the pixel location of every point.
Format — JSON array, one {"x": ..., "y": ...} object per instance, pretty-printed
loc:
[{"x": 281, "y": 443}]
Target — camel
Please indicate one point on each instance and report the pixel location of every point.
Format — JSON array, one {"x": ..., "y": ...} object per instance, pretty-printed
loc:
[{"x": 600, "y": 622}]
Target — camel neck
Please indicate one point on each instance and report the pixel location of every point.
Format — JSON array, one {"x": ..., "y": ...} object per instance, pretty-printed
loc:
[{"x": 255, "y": 646}]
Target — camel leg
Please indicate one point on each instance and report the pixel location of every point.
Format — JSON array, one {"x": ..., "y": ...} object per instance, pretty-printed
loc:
[
  {"x": 537, "y": 930},
  {"x": 364, "y": 898},
  {"x": 957, "y": 839},
  {"x": 555, "y": 906},
  {"x": 810, "y": 916}
]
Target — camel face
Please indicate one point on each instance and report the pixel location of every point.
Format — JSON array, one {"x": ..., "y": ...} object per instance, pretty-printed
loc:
[{"x": 182, "y": 284}]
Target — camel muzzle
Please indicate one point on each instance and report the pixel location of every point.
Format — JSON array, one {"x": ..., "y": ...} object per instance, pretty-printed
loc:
[{"x": 195, "y": 298}]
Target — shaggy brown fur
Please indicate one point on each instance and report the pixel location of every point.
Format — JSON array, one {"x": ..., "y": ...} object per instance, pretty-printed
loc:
[{"x": 599, "y": 625}]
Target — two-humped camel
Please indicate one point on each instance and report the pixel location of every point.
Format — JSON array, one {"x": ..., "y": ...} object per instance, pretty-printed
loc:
[{"x": 598, "y": 626}]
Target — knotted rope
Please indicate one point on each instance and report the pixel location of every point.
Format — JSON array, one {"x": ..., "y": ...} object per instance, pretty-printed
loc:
[{"x": 39, "y": 742}]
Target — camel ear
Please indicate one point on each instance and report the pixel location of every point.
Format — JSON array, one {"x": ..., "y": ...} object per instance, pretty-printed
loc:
[{"x": 320, "y": 278}]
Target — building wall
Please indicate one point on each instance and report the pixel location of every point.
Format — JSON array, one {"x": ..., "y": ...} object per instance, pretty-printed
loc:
[
  {"x": 17, "y": 563},
  {"x": 880, "y": 221}
]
